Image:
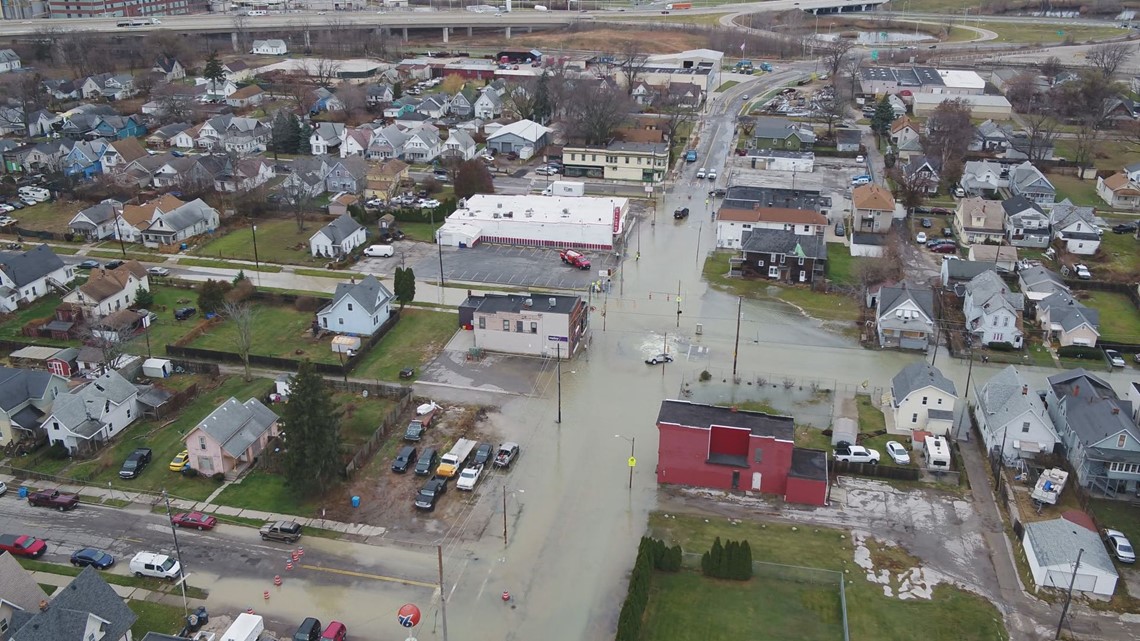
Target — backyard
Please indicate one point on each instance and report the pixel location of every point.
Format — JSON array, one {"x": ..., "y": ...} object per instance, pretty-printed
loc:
[
  {"x": 1119, "y": 254},
  {"x": 281, "y": 331},
  {"x": 1081, "y": 192},
  {"x": 51, "y": 216},
  {"x": 689, "y": 606},
  {"x": 1119, "y": 319},
  {"x": 416, "y": 339}
]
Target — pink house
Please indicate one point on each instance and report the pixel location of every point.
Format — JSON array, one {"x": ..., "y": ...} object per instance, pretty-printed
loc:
[{"x": 230, "y": 439}]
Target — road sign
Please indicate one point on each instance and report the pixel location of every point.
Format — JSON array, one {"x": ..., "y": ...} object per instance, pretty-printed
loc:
[
  {"x": 874, "y": 54},
  {"x": 632, "y": 462},
  {"x": 1060, "y": 32}
]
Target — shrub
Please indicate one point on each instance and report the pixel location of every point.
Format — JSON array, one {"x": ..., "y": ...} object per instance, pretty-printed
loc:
[
  {"x": 1080, "y": 351},
  {"x": 705, "y": 376},
  {"x": 58, "y": 451},
  {"x": 732, "y": 560},
  {"x": 220, "y": 477},
  {"x": 189, "y": 472},
  {"x": 306, "y": 304},
  {"x": 1002, "y": 347}
]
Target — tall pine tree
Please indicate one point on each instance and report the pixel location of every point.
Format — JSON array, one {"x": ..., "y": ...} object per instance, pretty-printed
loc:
[
  {"x": 286, "y": 132},
  {"x": 884, "y": 116},
  {"x": 745, "y": 561},
  {"x": 305, "y": 131},
  {"x": 543, "y": 107},
  {"x": 312, "y": 423}
]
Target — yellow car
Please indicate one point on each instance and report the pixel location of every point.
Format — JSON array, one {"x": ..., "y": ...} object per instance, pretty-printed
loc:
[{"x": 180, "y": 461}]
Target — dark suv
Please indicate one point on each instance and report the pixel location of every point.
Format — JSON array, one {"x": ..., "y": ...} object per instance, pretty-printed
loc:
[
  {"x": 404, "y": 458},
  {"x": 429, "y": 494},
  {"x": 483, "y": 454},
  {"x": 309, "y": 630},
  {"x": 425, "y": 466},
  {"x": 182, "y": 313},
  {"x": 135, "y": 463}
]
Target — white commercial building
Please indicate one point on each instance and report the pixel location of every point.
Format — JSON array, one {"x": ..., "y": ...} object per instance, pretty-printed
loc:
[
  {"x": 539, "y": 221},
  {"x": 962, "y": 82}
]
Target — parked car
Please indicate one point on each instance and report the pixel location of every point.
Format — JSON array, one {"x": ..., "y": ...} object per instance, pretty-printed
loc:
[
  {"x": 136, "y": 462},
  {"x": 546, "y": 171},
  {"x": 404, "y": 458},
  {"x": 154, "y": 565},
  {"x": 1124, "y": 228},
  {"x": 701, "y": 172},
  {"x": 53, "y": 498},
  {"x": 113, "y": 264},
  {"x": 429, "y": 494},
  {"x": 659, "y": 358},
  {"x": 3, "y": 488},
  {"x": 926, "y": 223},
  {"x": 309, "y": 630},
  {"x": 947, "y": 232},
  {"x": 920, "y": 210},
  {"x": 89, "y": 264},
  {"x": 469, "y": 477},
  {"x": 287, "y": 531},
  {"x": 1114, "y": 357},
  {"x": 719, "y": 192},
  {"x": 840, "y": 229},
  {"x": 1119, "y": 546},
  {"x": 335, "y": 632},
  {"x": 860, "y": 159},
  {"x": 711, "y": 175},
  {"x": 920, "y": 238},
  {"x": 180, "y": 461},
  {"x": 379, "y": 251},
  {"x": 941, "y": 211},
  {"x": 196, "y": 520},
  {"x": 898, "y": 453},
  {"x": 22, "y": 545},
  {"x": 93, "y": 557},
  {"x": 426, "y": 464},
  {"x": 158, "y": 271},
  {"x": 183, "y": 313},
  {"x": 407, "y": 372},
  {"x": 845, "y": 451},
  {"x": 945, "y": 248},
  {"x": 507, "y": 454},
  {"x": 483, "y": 454},
  {"x": 681, "y": 212}
]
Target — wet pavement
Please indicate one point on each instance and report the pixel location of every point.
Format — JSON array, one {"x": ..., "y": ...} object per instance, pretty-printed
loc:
[{"x": 538, "y": 267}]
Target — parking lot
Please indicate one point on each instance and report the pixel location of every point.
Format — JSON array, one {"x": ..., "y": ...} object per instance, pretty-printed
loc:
[
  {"x": 409, "y": 253},
  {"x": 537, "y": 267}
]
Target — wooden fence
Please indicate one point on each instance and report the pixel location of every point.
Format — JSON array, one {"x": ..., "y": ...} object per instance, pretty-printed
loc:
[
  {"x": 390, "y": 419},
  {"x": 877, "y": 471}
]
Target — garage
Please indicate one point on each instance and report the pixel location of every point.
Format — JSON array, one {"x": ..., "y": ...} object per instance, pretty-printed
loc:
[{"x": 1052, "y": 547}]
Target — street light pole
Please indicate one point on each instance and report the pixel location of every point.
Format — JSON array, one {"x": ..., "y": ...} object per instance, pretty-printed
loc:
[
  {"x": 558, "y": 356},
  {"x": 178, "y": 553},
  {"x": 632, "y": 445},
  {"x": 256, "y": 262}
]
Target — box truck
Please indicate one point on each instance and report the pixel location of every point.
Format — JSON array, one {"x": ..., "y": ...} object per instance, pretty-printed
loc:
[
  {"x": 565, "y": 188},
  {"x": 246, "y": 627}
]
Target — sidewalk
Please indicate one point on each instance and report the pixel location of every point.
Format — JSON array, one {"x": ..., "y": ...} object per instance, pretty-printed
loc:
[{"x": 109, "y": 497}]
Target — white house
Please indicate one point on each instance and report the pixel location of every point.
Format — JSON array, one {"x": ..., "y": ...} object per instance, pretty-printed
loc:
[
  {"x": 110, "y": 290},
  {"x": 981, "y": 177},
  {"x": 269, "y": 47},
  {"x": 325, "y": 137},
  {"x": 422, "y": 145},
  {"x": 9, "y": 60},
  {"x": 1026, "y": 224},
  {"x": 733, "y": 223},
  {"x": 337, "y": 238},
  {"x": 904, "y": 316},
  {"x": 993, "y": 312},
  {"x": 29, "y": 275},
  {"x": 922, "y": 399},
  {"x": 191, "y": 219},
  {"x": 1076, "y": 227},
  {"x": 1012, "y": 417},
  {"x": 459, "y": 145},
  {"x": 488, "y": 105},
  {"x": 357, "y": 308},
  {"x": 92, "y": 414},
  {"x": 97, "y": 221},
  {"x": 1052, "y": 547}
]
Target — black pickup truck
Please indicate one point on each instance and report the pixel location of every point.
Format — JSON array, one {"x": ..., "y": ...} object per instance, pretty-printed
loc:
[{"x": 136, "y": 462}]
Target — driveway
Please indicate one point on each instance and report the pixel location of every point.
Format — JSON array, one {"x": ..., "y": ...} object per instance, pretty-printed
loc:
[{"x": 512, "y": 266}]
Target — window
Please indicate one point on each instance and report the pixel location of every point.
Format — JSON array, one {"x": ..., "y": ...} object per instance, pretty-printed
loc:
[
  {"x": 807, "y": 229},
  {"x": 1122, "y": 440},
  {"x": 773, "y": 272},
  {"x": 939, "y": 402},
  {"x": 1126, "y": 468},
  {"x": 519, "y": 326},
  {"x": 758, "y": 458},
  {"x": 914, "y": 418},
  {"x": 611, "y": 160},
  {"x": 800, "y": 262},
  {"x": 128, "y": 413},
  {"x": 350, "y": 307},
  {"x": 340, "y": 321},
  {"x": 744, "y": 226},
  {"x": 201, "y": 442},
  {"x": 1025, "y": 427},
  {"x": 482, "y": 322},
  {"x": 506, "y": 325},
  {"x": 783, "y": 258},
  {"x": 533, "y": 327},
  {"x": 924, "y": 400}
]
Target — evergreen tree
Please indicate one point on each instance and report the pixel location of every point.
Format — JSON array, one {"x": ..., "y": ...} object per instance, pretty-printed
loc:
[
  {"x": 240, "y": 276},
  {"x": 304, "y": 131},
  {"x": 728, "y": 564},
  {"x": 212, "y": 295},
  {"x": 745, "y": 561},
  {"x": 543, "y": 108},
  {"x": 397, "y": 89},
  {"x": 716, "y": 556},
  {"x": 144, "y": 299},
  {"x": 884, "y": 116},
  {"x": 312, "y": 455},
  {"x": 213, "y": 71},
  {"x": 404, "y": 285},
  {"x": 286, "y": 132}
]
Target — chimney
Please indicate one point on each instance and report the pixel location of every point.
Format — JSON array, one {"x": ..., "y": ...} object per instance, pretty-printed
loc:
[
  {"x": 1076, "y": 390},
  {"x": 1024, "y": 390},
  {"x": 1115, "y": 410}
]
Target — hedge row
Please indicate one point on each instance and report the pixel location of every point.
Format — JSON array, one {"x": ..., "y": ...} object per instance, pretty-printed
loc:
[
  {"x": 651, "y": 554},
  {"x": 730, "y": 561}
]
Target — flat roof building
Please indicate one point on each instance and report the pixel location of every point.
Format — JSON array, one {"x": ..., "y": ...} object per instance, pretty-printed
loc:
[{"x": 582, "y": 222}]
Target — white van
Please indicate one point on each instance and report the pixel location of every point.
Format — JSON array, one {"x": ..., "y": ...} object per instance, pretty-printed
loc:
[
  {"x": 937, "y": 453},
  {"x": 258, "y": 12},
  {"x": 159, "y": 566},
  {"x": 380, "y": 251}
]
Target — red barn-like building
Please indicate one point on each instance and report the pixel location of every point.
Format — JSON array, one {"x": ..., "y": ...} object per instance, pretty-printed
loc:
[{"x": 727, "y": 449}]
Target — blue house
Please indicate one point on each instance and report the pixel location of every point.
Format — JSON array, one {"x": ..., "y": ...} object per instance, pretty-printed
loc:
[
  {"x": 118, "y": 127},
  {"x": 85, "y": 159},
  {"x": 1096, "y": 430}
]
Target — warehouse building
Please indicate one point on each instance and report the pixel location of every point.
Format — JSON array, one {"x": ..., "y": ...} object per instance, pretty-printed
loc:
[{"x": 582, "y": 222}]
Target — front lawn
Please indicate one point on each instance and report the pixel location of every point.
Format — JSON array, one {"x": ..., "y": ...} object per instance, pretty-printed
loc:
[
  {"x": 155, "y": 617},
  {"x": 51, "y": 216},
  {"x": 416, "y": 339},
  {"x": 1119, "y": 320},
  {"x": 280, "y": 331},
  {"x": 278, "y": 241},
  {"x": 842, "y": 267},
  {"x": 265, "y": 492},
  {"x": 166, "y": 440},
  {"x": 1119, "y": 254},
  {"x": 833, "y": 307},
  {"x": 689, "y": 606},
  {"x": 423, "y": 232},
  {"x": 1081, "y": 192},
  {"x": 361, "y": 416}
]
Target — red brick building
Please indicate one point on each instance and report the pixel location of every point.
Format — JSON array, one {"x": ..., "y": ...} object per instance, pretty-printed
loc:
[{"x": 727, "y": 449}]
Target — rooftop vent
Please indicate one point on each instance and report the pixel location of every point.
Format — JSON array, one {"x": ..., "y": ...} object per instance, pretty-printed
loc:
[
  {"x": 528, "y": 303},
  {"x": 553, "y": 302}
]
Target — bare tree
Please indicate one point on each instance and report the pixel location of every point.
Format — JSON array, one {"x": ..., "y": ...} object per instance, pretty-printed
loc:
[
  {"x": 1085, "y": 139},
  {"x": 949, "y": 133},
  {"x": 830, "y": 110},
  {"x": 241, "y": 28},
  {"x": 523, "y": 99},
  {"x": 675, "y": 111},
  {"x": 631, "y": 61},
  {"x": 1050, "y": 67},
  {"x": 1108, "y": 57},
  {"x": 109, "y": 337},
  {"x": 853, "y": 64},
  {"x": 299, "y": 200},
  {"x": 1042, "y": 128},
  {"x": 912, "y": 189},
  {"x": 299, "y": 92},
  {"x": 244, "y": 317},
  {"x": 834, "y": 55},
  {"x": 595, "y": 111},
  {"x": 24, "y": 94},
  {"x": 1022, "y": 91},
  {"x": 325, "y": 71},
  {"x": 79, "y": 51},
  {"x": 353, "y": 97}
]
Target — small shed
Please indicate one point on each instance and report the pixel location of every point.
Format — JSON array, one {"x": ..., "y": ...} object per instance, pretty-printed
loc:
[
  {"x": 65, "y": 362},
  {"x": 157, "y": 368},
  {"x": 844, "y": 429},
  {"x": 36, "y": 356},
  {"x": 387, "y": 221},
  {"x": 281, "y": 385}
]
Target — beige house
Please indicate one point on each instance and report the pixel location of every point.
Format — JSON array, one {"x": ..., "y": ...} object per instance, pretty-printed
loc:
[
  {"x": 921, "y": 399},
  {"x": 1067, "y": 321},
  {"x": 874, "y": 207},
  {"x": 110, "y": 290},
  {"x": 1119, "y": 191},
  {"x": 383, "y": 181},
  {"x": 1002, "y": 257},
  {"x": 535, "y": 324},
  {"x": 979, "y": 221},
  {"x": 628, "y": 161}
]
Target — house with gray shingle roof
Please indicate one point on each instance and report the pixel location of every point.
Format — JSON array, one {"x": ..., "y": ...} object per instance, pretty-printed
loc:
[
  {"x": 904, "y": 316},
  {"x": 25, "y": 396},
  {"x": 1012, "y": 417},
  {"x": 1076, "y": 226},
  {"x": 181, "y": 223},
  {"x": 1027, "y": 180},
  {"x": 1052, "y": 548},
  {"x": 19, "y": 591},
  {"x": 231, "y": 437},
  {"x": 1038, "y": 283},
  {"x": 85, "y": 609},
  {"x": 993, "y": 311},
  {"x": 84, "y": 419},
  {"x": 338, "y": 238},
  {"x": 30, "y": 275},
  {"x": 922, "y": 399},
  {"x": 358, "y": 309},
  {"x": 1067, "y": 321},
  {"x": 1101, "y": 441}
]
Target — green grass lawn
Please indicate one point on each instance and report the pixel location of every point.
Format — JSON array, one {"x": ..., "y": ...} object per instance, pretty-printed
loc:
[
  {"x": 725, "y": 86},
  {"x": 42, "y": 309},
  {"x": 1119, "y": 320},
  {"x": 146, "y": 583},
  {"x": 1047, "y": 33},
  {"x": 132, "y": 254},
  {"x": 165, "y": 330},
  {"x": 423, "y": 232},
  {"x": 281, "y": 331},
  {"x": 1109, "y": 154},
  {"x": 842, "y": 267},
  {"x": 1119, "y": 254},
  {"x": 155, "y": 617},
  {"x": 1081, "y": 192},
  {"x": 226, "y": 264},
  {"x": 52, "y": 216},
  {"x": 951, "y": 615},
  {"x": 818, "y": 305},
  {"x": 166, "y": 441},
  {"x": 1118, "y": 515},
  {"x": 260, "y": 490},
  {"x": 278, "y": 241},
  {"x": 416, "y": 339},
  {"x": 361, "y": 416}
]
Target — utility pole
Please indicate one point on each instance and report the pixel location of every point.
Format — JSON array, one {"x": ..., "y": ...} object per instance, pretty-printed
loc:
[
  {"x": 439, "y": 247},
  {"x": 632, "y": 446},
  {"x": 504, "y": 516},
  {"x": 256, "y": 262},
  {"x": 664, "y": 350},
  {"x": 558, "y": 356},
  {"x": 1069, "y": 596},
  {"x": 178, "y": 553},
  {"x": 966, "y": 395},
  {"x": 119, "y": 233},
  {"x": 698, "y": 258},
  {"x": 678, "y": 303},
  {"x": 736, "y": 345},
  {"x": 442, "y": 595}
]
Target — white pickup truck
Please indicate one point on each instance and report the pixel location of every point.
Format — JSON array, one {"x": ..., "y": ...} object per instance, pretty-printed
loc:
[
  {"x": 469, "y": 477},
  {"x": 855, "y": 453}
]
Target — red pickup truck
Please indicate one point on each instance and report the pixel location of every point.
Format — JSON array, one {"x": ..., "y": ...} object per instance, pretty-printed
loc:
[
  {"x": 22, "y": 545},
  {"x": 53, "y": 498},
  {"x": 571, "y": 257}
]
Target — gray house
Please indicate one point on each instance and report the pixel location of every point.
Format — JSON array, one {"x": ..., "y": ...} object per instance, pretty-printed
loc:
[
  {"x": 26, "y": 395},
  {"x": 85, "y": 609},
  {"x": 848, "y": 139},
  {"x": 1038, "y": 283},
  {"x": 518, "y": 136},
  {"x": 1095, "y": 426},
  {"x": 1012, "y": 418},
  {"x": 904, "y": 316},
  {"x": 348, "y": 175},
  {"x": 1026, "y": 224},
  {"x": 1027, "y": 180}
]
